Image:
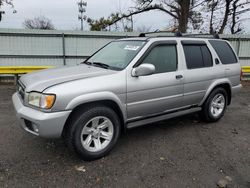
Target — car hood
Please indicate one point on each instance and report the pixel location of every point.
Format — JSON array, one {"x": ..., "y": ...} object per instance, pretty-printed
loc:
[{"x": 40, "y": 80}]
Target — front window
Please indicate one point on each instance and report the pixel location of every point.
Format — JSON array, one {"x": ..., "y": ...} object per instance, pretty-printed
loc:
[
  {"x": 116, "y": 55},
  {"x": 163, "y": 57}
]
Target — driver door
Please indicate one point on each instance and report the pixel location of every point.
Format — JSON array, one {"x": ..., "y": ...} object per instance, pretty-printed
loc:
[{"x": 160, "y": 92}]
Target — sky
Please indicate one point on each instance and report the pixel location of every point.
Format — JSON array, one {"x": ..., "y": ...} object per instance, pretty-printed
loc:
[{"x": 64, "y": 13}]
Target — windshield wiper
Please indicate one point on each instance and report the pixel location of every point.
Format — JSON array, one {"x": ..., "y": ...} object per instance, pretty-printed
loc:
[
  {"x": 103, "y": 65},
  {"x": 86, "y": 62},
  {"x": 99, "y": 64}
]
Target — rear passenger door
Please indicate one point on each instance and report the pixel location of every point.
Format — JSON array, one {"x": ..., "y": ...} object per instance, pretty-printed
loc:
[{"x": 200, "y": 71}]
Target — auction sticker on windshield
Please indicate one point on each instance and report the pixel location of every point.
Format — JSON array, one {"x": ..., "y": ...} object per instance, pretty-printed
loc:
[{"x": 130, "y": 47}]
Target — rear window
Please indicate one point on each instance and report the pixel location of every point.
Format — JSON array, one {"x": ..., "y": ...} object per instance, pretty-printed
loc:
[
  {"x": 224, "y": 51},
  {"x": 197, "y": 56}
]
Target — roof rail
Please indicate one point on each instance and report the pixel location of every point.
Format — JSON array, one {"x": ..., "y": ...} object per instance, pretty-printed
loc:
[
  {"x": 215, "y": 35},
  {"x": 179, "y": 34},
  {"x": 153, "y": 32}
]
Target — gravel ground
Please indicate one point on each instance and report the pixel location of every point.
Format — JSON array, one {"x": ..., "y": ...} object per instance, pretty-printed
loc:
[{"x": 181, "y": 152}]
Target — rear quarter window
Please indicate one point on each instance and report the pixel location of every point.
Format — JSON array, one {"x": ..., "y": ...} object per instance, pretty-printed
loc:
[{"x": 224, "y": 51}]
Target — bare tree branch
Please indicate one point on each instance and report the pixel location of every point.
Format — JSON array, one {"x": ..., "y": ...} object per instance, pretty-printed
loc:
[
  {"x": 7, "y": 2},
  {"x": 39, "y": 23},
  {"x": 176, "y": 9}
]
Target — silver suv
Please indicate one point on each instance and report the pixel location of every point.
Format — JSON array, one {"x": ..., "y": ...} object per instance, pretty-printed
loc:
[{"x": 128, "y": 83}]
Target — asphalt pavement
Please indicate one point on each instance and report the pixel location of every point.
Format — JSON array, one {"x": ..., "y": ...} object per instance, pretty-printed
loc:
[{"x": 181, "y": 152}]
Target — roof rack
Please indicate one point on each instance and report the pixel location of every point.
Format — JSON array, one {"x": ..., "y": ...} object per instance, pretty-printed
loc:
[
  {"x": 152, "y": 32},
  {"x": 179, "y": 34},
  {"x": 215, "y": 35}
]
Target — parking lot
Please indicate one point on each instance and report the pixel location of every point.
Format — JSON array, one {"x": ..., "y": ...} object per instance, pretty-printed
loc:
[{"x": 181, "y": 152}]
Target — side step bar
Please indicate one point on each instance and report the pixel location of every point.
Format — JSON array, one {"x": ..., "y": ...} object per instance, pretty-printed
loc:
[{"x": 162, "y": 117}]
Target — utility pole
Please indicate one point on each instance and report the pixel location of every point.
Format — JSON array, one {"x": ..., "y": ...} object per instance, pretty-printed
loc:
[{"x": 82, "y": 9}]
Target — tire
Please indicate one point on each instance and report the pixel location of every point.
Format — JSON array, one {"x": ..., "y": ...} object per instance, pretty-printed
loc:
[
  {"x": 215, "y": 106},
  {"x": 93, "y": 132}
]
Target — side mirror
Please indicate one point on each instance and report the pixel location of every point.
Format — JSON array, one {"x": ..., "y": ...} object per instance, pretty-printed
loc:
[{"x": 143, "y": 70}]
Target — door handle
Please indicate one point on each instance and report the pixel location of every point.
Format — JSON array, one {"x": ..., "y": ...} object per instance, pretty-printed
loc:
[{"x": 178, "y": 77}]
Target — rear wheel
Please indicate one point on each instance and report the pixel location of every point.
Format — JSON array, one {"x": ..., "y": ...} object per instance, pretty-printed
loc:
[
  {"x": 215, "y": 105},
  {"x": 93, "y": 132}
]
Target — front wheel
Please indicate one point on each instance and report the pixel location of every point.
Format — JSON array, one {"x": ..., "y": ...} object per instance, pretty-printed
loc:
[
  {"x": 94, "y": 132},
  {"x": 215, "y": 105}
]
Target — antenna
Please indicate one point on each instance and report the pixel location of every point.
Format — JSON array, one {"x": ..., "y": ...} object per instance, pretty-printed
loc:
[{"x": 81, "y": 9}]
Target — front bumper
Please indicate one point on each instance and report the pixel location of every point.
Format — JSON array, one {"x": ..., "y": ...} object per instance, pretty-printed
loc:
[{"x": 47, "y": 125}]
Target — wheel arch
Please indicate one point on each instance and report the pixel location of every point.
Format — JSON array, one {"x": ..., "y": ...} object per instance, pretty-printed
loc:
[
  {"x": 78, "y": 109},
  {"x": 225, "y": 84}
]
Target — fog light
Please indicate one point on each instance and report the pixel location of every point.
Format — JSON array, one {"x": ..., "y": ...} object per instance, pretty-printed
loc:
[
  {"x": 34, "y": 127},
  {"x": 31, "y": 126}
]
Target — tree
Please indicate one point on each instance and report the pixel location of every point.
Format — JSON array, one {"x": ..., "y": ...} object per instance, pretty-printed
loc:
[
  {"x": 231, "y": 11},
  {"x": 39, "y": 23},
  {"x": 183, "y": 11},
  {"x": 7, "y": 2},
  {"x": 238, "y": 9},
  {"x": 213, "y": 16}
]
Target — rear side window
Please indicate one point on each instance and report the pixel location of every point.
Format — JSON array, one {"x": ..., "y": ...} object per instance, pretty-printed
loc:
[
  {"x": 197, "y": 56},
  {"x": 224, "y": 51}
]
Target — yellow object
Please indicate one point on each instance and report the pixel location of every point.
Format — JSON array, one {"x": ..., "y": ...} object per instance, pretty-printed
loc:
[
  {"x": 21, "y": 69},
  {"x": 50, "y": 99},
  {"x": 245, "y": 69}
]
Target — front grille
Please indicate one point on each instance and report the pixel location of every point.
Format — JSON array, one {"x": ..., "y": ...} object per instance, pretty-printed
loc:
[{"x": 21, "y": 89}]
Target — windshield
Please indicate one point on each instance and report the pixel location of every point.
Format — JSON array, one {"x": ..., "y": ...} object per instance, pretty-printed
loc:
[{"x": 116, "y": 55}]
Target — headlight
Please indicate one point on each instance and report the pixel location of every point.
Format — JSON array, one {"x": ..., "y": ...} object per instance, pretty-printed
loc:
[{"x": 41, "y": 100}]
